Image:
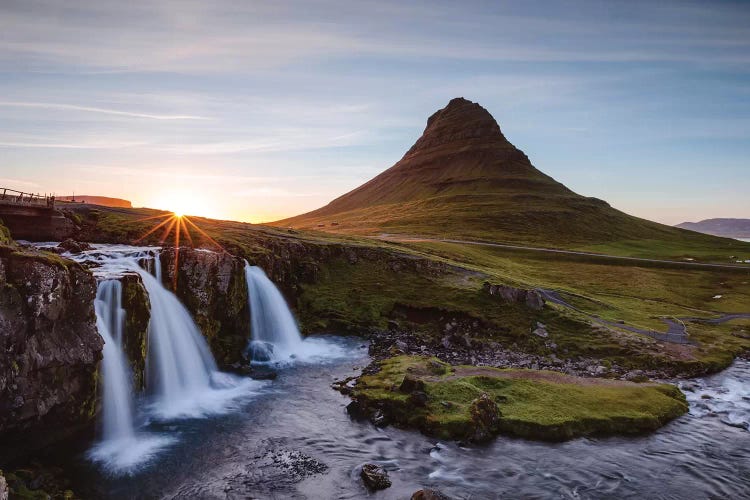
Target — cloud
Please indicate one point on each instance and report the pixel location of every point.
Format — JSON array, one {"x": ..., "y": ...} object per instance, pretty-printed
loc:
[
  {"x": 69, "y": 145},
  {"x": 14, "y": 183},
  {"x": 246, "y": 37},
  {"x": 72, "y": 107}
]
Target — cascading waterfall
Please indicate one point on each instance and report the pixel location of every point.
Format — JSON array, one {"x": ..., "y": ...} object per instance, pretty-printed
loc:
[
  {"x": 275, "y": 336},
  {"x": 182, "y": 374},
  {"x": 121, "y": 449},
  {"x": 179, "y": 364},
  {"x": 117, "y": 405}
]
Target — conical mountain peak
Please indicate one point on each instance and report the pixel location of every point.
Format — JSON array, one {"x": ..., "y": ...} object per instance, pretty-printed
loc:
[
  {"x": 460, "y": 121},
  {"x": 463, "y": 179}
]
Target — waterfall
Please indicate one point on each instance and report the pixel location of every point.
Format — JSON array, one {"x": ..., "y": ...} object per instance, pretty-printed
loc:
[
  {"x": 179, "y": 364},
  {"x": 117, "y": 405},
  {"x": 275, "y": 336},
  {"x": 121, "y": 449},
  {"x": 182, "y": 377},
  {"x": 157, "y": 266}
]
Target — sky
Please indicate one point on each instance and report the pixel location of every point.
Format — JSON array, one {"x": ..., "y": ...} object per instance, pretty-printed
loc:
[{"x": 256, "y": 111}]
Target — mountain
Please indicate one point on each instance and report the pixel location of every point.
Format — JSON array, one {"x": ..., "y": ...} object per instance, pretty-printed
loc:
[
  {"x": 98, "y": 200},
  {"x": 464, "y": 179},
  {"x": 730, "y": 228}
]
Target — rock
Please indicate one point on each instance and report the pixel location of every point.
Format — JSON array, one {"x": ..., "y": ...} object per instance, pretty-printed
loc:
[
  {"x": 50, "y": 350},
  {"x": 530, "y": 298},
  {"x": 375, "y": 477},
  {"x": 74, "y": 247},
  {"x": 485, "y": 418},
  {"x": 213, "y": 288},
  {"x": 411, "y": 384},
  {"x": 419, "y": 398},
  {"x": 378, "y": 419},
  {"x": 540, "y": 330},
  {"x": 3, "y": 488},
  {"x": 428, "y": 494},
  {"x": 260, "y": 351}
]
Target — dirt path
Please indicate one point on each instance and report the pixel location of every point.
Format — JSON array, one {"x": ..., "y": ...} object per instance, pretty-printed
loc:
[{"x": 676, "y": 328}]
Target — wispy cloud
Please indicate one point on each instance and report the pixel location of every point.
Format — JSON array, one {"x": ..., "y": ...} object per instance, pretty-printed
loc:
[
  {"x": 70, "y": 145},
  {"x": 91, "y": 109}
]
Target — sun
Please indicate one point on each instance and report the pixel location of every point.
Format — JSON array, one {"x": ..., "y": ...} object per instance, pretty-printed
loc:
[{"x": 182, "y": 203}]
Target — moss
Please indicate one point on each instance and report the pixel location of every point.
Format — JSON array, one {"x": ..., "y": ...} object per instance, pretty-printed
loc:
[
  {"x": 532, "y": 404},
  {"x": 5, "y": 238}
]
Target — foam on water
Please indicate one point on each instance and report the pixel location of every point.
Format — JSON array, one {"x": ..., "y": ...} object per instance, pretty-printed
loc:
[{"x": 726, "y": 395}]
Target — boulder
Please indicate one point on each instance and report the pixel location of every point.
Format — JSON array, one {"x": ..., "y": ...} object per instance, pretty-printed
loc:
[
  {"x": 375, "y": 477},
  {"x": 541, "y": 330},
  {"x": 428, "y": 494},
  {"x": 485, "y": 418},
  {"x": 72, "y": 246},
  {"x": 411, "y": 384}
]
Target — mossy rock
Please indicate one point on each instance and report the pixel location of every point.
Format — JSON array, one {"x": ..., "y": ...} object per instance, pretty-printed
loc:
[{"x": 476, "y": 403}]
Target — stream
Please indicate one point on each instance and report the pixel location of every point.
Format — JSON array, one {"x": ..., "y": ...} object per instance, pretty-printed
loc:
[{"x": 294, "y": 439}]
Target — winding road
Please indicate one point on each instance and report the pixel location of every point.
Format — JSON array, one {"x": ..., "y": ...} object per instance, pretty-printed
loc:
[
  {"x": 676, "y": 328},
  {"x": 416, "y": 239}
]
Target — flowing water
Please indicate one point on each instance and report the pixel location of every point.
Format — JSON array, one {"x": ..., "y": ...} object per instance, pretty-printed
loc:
[
  {"x": 182, "y": 378},
  {"x": 297, "y": 441},
  {"x": 275, "y": 337},
  {"x": 292, "y": 438}
]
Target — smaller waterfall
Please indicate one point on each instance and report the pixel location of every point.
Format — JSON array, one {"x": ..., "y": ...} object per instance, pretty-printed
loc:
[
  {"x": 117, "y": 405},
  {"x": 275, "y": 336},
  {"x": 157, "y": 266}
]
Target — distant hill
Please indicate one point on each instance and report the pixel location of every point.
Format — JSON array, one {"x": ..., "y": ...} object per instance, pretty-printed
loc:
[
  {"x": 98, "y": 200},
  {"x": 730, "y": 228},
  {"x": 464, "y": 179}
]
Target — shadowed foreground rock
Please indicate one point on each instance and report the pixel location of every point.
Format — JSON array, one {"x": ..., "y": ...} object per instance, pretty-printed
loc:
[{"x": 50, "y": 346}]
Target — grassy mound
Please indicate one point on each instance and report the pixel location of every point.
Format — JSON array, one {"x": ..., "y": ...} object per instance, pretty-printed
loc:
[{"x": 457, "y": 402}]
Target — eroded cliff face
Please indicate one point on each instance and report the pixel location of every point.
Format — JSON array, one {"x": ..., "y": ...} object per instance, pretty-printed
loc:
[
  {"x": 50, "y": 349},
  {"x": 213, "y": 288}
]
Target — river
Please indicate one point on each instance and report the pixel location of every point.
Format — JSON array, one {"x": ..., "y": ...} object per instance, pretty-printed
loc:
[{"x": 294, "y": 439}]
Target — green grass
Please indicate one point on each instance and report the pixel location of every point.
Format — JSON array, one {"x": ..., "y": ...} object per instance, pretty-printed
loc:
[
  {"x": 698, "y": 247},
  {"x": 532, "y": 404},
  {"x": 352, "y": 296}
]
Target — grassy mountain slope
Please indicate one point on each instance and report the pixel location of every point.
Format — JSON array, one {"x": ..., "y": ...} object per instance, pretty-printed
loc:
[{"x": 463, "y": 179}]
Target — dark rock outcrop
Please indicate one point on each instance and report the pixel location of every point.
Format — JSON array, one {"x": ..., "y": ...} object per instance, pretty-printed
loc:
[
  {"x": 137, "y": 315},
  {"x": 530, "y": 298},
  {"x": 50, "y": 349},
  {"x": 375, "y": 477},
  {"x": 213, "y": 288}
]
